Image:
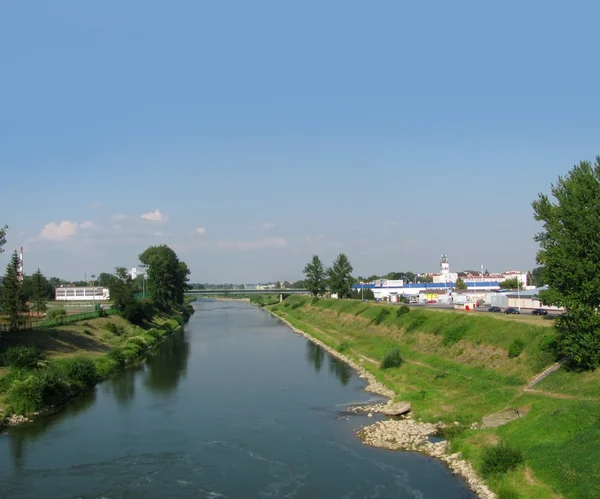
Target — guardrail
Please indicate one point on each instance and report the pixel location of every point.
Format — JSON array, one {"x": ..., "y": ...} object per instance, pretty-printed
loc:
[{"x": 29, "y": 325}]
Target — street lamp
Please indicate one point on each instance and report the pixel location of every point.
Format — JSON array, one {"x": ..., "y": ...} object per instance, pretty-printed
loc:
[
  {"x": 93, "y": 276},
  {"x": 519, "y": 292}
]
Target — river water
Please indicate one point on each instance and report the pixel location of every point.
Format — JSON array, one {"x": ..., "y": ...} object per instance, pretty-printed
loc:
[{"x": 235, "y": 406}]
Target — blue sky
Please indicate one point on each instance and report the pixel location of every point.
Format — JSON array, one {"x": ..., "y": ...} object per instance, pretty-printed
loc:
[{"x": 251, "y": 135}]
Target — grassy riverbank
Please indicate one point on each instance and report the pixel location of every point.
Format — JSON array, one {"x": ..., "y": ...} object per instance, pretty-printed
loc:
[
  {"x": 43, "y": 368},
  {"x": 457, "y": 367}
]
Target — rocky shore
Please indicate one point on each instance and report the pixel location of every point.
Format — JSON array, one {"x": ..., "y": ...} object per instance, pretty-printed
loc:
[{"x": 402, "y": 434}]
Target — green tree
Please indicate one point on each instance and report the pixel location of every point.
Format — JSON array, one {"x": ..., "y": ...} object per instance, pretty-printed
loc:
[
  {"x": 460, "y": 284},
  {"x": 3, "y": 238},
  {"x": 39, "y": 295},
  {"x": 315, "y": 280},
  {"x": 339, "y": 276},
  {"x": 167, "y": 276},
  {"x": 538, "y": 277},
  {"x": 512, "y": 283},
  {"x": 120, "y": 288},
  {"x": 13, "y": 300},
  {"x": 569, "y": 248}
]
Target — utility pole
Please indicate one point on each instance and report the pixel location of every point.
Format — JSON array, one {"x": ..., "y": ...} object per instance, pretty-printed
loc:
[
  {"x": 93, "y": 276},
  {"x": 519, "y": 292}
]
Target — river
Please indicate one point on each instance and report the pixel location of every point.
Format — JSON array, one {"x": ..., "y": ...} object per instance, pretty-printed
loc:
[{"x": 235, "y": 406}]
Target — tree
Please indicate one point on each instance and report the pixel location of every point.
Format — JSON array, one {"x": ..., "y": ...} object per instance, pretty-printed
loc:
[
  {"x": 511, "y": 283},
  {"x": 569, "y": 247},
  {"x": 167, "y": 276},
  {"x": 339, "y": 278},
  {"x": 13, "y": 301},
  {"x": 121, "y": 289},
  {"x": 315, "y": 280},
  {"x": 39, "y": 295},
  {"x": 460, "y": 285},
  {"x": 538, "y": 278},
  {"x": 3, "y": 238}
]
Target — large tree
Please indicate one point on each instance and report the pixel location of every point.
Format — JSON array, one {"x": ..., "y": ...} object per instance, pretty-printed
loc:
[
  {"x": 167, "y": 276},
  {"x": 39, "y": 292},
  {"x": 569, "y": 250},
  {"x": 315, "y": 277},
  {"x": 13, "y": 300},
  {"x": 339, "y": 278}
]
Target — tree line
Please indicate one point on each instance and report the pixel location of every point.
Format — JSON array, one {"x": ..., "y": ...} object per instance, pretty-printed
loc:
[{"x": 166, "y": 282}]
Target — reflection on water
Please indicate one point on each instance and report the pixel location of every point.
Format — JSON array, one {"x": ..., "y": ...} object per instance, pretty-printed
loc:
[
  {"x": 340, "y": 370},
  {"x": 20, "y": 435},
  {"x": 123, "y": 386},
  {"x": 169, "y": 365},
  {"x": 315, "y": 355}
]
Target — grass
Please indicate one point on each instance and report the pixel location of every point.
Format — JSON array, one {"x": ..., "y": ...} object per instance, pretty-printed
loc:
[{"x": 456, "y": 368}]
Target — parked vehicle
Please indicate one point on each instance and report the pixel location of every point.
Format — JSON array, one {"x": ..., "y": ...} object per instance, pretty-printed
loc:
[
  {"x": 494, "y": 309},
  {"x": 539, "y": 311},
  {"x": 511, "y": 310}
]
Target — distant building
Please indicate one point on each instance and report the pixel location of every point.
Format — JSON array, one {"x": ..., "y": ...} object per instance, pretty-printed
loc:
[
  {"x": 445, "y": 275},
  {"x": 72, "y": 293},
  {"x": 251, "y": 286}
]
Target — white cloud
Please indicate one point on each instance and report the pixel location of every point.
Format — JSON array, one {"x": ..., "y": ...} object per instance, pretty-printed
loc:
[
  {"x": 87, "y": 225},
  {"x": 154, "y": 216},
  {"x": 269, "y": 242},
  {"x": 60, "y": 232},
  {"x": 268, "y": 225},
  {"x": 201, "y": 230}
]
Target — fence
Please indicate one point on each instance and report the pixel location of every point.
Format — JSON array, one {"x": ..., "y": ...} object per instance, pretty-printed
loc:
[{"x": 28, "y": 325}]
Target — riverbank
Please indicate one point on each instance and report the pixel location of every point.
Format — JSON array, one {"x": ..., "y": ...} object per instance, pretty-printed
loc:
[
  {"x": 45, "y": 369},
  {"x": 457, "y": 369},
  {"x": 404, "y": 434}
]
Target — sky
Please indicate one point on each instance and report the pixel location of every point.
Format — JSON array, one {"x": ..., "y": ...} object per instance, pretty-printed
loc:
[{"x": 249, "y": 136}]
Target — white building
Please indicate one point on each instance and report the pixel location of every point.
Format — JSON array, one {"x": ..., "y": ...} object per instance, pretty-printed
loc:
[
  {"x": 445, "y": 275},
  {"x": 73, "y": 293}
]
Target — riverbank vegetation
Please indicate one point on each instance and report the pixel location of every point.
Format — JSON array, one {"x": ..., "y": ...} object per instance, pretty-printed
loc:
[
  {"x": 458, "y": 367},
  {"x": 43, "y": 368}
]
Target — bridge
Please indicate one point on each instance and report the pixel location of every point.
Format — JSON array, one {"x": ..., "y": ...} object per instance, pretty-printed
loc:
[{"x": 248, "y": 292}]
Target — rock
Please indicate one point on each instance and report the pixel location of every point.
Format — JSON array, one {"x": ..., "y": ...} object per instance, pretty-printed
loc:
[
  {"x": 500, "y": 418},
  {"x": 370, "y": 415},
  {"x": 397, "y": 409}
]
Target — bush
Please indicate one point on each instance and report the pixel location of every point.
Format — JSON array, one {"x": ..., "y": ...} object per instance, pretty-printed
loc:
[
  {"x": 38, "y": 390},
  {"x": 402, "y": 310},
  {"x": 55, "y": 313},
  {"x": 454, "y": 334},
  {"x": 136, "y": 313},
  {"x": 82, "y": 372},
  {"x": 499, "y": 459},
  {"x": 116, "y": 354},
  {"x": 22, "y": 357},
  {"x": 314, "y": 300},
  {"x": 114, "y": 328},
  {"x": 515, "y": 348},
  {"x": 416, "y": 323},
  {"x": 548, "y": 344},
  {"x": 343, "y": 346},
  {"x": 450, "y": 431},
  {"x": 180, "y": 319},
  {"x": 381, "y": 316},
  {"x": 392, "y": 358}
]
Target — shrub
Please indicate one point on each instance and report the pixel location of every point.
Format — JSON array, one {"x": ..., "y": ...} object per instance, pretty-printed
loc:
[
  {"x": 343, "y": 346},
  {"x": 55, "y": 313},
  {"x": 22, "y": 357},
  {"x": 454, "y": 334},
  {"x": 82, "y": 372},
  {"x": 114, "y": 328},
  {"x": 402, "y": 310},
  {"x": 180, "y": 319},
  {"x": 515, "y": 348},
  {"x": 137, "y": 313},
  {"x": 381, "y": 316},
  {"x": 450, "y": 431},
  {"x": 392, "y": 358},
  {"x": 416, "y": 323},
  {"x": 314, "y": 300},
  {"x": 37, "y": 390},
  {"x": 548, "y": 343},
  {"x": 499, "y": 459},
  {"x": 155, "y": 333},
  {"x": 296, "y": 304},
  {"x": 116, "y": 354}
]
